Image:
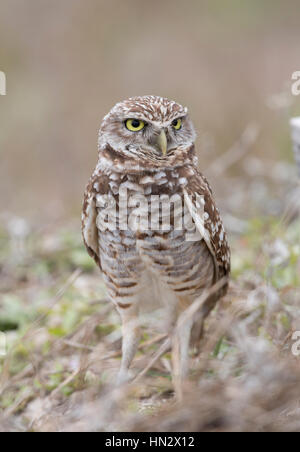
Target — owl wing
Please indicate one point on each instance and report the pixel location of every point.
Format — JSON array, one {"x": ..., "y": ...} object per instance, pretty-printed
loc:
[
  {"x": 89, "y": 218},
  {"x": 208, "y": 221}
]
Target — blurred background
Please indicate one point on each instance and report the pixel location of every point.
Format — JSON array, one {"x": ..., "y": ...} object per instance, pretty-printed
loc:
[{"x": 67, "y": 62}]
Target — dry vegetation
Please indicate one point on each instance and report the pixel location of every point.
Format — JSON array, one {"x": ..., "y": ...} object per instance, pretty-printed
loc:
[{"x": 232, "y": 66}]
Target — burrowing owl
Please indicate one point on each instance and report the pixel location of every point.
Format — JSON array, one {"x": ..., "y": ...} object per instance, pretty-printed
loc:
[{"x": 150, "y": 222}]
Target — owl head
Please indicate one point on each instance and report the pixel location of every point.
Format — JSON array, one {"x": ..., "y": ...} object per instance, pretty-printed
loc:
[{"x": 149, "y": 127}]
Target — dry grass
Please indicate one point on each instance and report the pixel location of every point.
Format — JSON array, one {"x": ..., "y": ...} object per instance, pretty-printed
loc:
[{"x": 232, "y": 66}]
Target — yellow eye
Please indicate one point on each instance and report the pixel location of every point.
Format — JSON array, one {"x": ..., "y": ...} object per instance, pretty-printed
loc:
[
  {"x": 177, "y": 124},
  {"x": 134, "y": 125}
]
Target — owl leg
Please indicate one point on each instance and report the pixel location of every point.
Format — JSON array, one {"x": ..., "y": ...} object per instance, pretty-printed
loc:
[
  {"x": 180, "y": 353},
  {"x": 197, "y": 332},
  {"x": 198, "y": 328},
  {"x": 131, "y": 337}
]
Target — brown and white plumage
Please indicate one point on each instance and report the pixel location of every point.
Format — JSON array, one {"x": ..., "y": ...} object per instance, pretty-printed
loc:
[{"x": 157, "y": 160}]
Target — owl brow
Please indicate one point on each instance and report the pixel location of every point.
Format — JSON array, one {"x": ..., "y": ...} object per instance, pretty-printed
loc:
[{"x": 179, "y": 117}]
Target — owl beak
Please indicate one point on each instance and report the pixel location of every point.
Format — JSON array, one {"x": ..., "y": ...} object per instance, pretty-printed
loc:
[{"x": 162, "y": 142}]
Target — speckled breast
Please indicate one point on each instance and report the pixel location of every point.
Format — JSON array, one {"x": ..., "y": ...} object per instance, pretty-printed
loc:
[{"x": 151, "y": 235}]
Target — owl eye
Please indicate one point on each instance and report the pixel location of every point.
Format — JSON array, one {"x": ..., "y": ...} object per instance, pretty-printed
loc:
[
  {"x": 134, "y": 125},
  {"x": 177, "y": 124}
]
